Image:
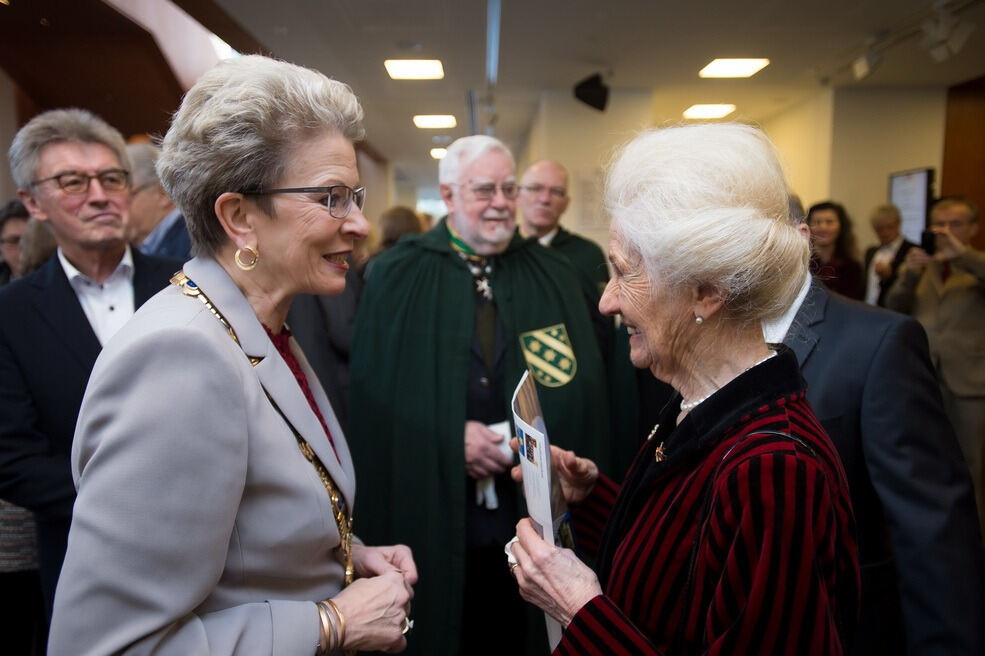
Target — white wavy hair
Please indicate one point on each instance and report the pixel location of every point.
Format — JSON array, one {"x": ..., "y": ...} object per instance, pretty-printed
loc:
[
  {"x": 466, "y": 150},
  {"x": 707, "y": 205}
]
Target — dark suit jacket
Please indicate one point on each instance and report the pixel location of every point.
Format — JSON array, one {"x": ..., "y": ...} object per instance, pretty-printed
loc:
[
  {"x": 324, "y": 327},
  {"x": 872, "y": 385},
  {"x": 176, "y": 242},
  {"x": 886, "y": 283},
  {"x": 47, "y": 349}
]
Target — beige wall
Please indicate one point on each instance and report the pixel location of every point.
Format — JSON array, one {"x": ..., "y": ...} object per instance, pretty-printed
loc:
[
  {"x": 803, "y": 135},
  {"x": 377, "y": 177},
  {"x": 583, "y": 139},
  {"x": 840, "y": 144},
  {"x": 876, "y": 132}
]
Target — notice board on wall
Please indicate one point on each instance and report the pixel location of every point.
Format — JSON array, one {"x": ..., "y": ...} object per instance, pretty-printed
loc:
[{"x": 912, "y": 192}]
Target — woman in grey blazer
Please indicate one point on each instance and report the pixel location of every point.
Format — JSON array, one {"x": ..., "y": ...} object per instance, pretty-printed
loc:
[{"x": 215, "y": 485}]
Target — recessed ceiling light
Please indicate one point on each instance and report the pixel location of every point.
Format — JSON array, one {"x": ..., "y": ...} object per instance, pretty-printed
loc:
[
  {"x": 733, "y": 67},
  {"x": 414, "y": 69},
  {"x": 438, "y": 153},
  {"x": 708, "y": 111},
  {"x": 435, "y": 121}
]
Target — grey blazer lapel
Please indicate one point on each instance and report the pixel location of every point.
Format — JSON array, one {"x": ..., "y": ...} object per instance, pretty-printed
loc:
[
  {"x": 274, "y": 374},
  {"x": 802, "y": 336}
]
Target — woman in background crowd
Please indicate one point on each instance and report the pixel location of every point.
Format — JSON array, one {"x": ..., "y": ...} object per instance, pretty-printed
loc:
[
  {"x": 833, "y": 255},
  {"x": 395, "y": 222}
]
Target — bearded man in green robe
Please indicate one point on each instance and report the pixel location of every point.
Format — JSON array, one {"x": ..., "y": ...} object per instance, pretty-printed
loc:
[{"x": 448, "y": 322}]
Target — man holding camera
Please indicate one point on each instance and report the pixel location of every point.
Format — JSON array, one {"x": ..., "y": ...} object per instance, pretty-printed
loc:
[{"x": 945, "y": 291}]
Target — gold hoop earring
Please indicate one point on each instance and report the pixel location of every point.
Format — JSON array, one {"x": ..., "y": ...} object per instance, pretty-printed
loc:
[{"x": 247, "y": 266}]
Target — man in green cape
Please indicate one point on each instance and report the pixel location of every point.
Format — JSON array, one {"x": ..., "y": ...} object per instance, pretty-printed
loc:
[
  {"x": 543, "y": 199},
  {"x": 448, "y": 322}
]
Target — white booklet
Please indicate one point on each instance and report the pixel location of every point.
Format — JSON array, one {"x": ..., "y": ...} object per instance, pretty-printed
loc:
[{"x": 545, "y": 501}]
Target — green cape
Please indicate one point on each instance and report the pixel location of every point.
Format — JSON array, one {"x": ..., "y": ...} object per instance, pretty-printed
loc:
[
  {"x": 627, "y": 434},
  {"x": 410, "y": 363},
  {"x": 584, "y": 254}
]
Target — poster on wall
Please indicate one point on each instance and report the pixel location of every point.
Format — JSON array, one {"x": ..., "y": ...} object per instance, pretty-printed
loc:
[{"x": 912, "y": 192}]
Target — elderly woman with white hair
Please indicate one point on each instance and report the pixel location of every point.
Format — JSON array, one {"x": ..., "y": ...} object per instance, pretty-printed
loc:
[
  {"x": 733, "y": 531},
  {"x": 215, "y": 486}
]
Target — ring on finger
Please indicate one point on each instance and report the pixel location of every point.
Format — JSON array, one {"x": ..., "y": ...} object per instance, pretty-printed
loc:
[
  {"x": 513, "y": 567},
  {"x": 408, "y": 625}
]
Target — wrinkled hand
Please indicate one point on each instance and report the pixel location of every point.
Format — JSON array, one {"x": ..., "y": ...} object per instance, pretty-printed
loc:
[
  {"x": 948, "y": 246},
  {"x": 374, "y": 610},
  {"x": 552, "y": 579},
  {"x": 577, "y": 475},
  {"x": 917, "y": 260},
  {"x": 373, "y": 561},
  {"x": 482, "y": 454}
]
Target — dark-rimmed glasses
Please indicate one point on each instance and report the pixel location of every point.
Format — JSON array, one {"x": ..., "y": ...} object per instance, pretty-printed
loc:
[
  {"x": 338, "y": 198},
  {"x": 538, "y": 189},
  {"x": 77, "y": 182},
  {"x": 487, "y": 190}
]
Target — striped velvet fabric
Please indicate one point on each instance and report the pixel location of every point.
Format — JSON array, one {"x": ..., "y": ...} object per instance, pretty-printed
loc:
[{"x": 739, "y": 542}]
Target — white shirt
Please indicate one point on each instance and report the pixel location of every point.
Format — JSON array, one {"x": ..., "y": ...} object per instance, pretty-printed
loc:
[
  {"x": 107, "y": 305},
  {"x": 885, "y": 254},
  {"x": 775, "y": 331},
  {"x": 546, "y": 240}
]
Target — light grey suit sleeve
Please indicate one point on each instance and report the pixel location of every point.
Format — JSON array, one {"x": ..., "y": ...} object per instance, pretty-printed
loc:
[{"x": 160, "y": 459}]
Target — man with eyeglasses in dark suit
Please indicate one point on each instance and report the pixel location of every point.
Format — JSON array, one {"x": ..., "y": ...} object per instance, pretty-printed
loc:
[{"x": 71, "y": 170}]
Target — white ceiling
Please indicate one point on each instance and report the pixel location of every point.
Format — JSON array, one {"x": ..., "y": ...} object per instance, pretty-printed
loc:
[{"x": 657, "y": 46}]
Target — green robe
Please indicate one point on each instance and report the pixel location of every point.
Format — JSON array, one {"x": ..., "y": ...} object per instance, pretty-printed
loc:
[
  {"x": 627, "y": 434},
  {"x": 410, "y": 364},
  {"x": 584, "y": 254}
]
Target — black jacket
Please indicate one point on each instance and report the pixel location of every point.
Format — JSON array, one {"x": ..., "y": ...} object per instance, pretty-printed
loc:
[
  {"x": 47, "y": 350},
  {"x": 872, "y": 386}
]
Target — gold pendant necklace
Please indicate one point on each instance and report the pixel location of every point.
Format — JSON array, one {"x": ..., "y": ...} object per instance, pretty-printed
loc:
[{"x": 658, "y": 454}]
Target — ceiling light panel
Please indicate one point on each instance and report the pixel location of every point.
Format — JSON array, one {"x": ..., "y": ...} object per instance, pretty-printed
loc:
[
  {"x": 414, "y": 69},
  {"x": 708, "y": 111},
  {"x": 733, "y": 67},
  {"x": 435, "y": 121},
  {"x": 439, "y": 153}
]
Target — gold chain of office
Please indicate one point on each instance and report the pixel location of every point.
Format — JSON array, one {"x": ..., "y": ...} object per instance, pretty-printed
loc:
[{"x": 343, "y": 518}]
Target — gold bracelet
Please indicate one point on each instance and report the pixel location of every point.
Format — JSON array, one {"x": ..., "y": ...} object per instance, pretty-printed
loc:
[
  {"x": 325, "y": 638},
  {"x": 341, "y": 617},
  {"x": 332, "y": 646}
]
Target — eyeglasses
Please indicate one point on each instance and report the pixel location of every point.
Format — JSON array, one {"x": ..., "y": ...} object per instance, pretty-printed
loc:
[
  {"x": 338, "y": 198},
  {"x": 951, "y": 225},
  {"x": 76, "y": 182},
  {"x": 487, "y": 190},
  {"x": 538, "y": 189}
]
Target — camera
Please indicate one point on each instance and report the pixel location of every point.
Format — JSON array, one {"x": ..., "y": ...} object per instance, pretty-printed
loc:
[{"x": 928, "y": 241}]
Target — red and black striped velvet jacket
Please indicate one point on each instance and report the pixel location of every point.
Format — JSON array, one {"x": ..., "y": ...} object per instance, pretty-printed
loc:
[{"x": 741, "y": 541}]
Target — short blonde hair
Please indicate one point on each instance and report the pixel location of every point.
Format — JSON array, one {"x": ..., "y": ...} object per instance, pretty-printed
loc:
[
  {"x": 886, "y": 212},
  {"x": 235, "y": 131},
  {"x": 708, "y": 205}
]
